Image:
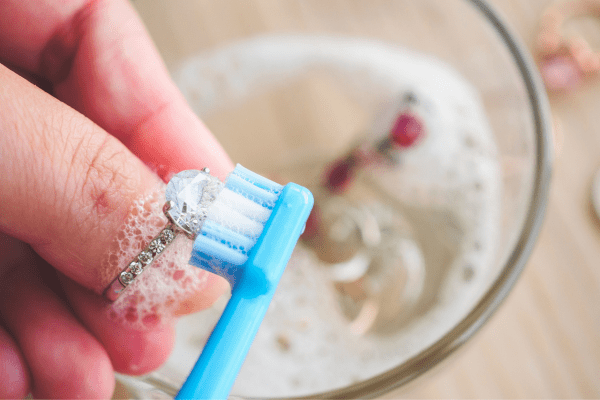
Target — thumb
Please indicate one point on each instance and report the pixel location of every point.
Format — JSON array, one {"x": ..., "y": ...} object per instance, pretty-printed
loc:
[{"x": 71, "y": 190}]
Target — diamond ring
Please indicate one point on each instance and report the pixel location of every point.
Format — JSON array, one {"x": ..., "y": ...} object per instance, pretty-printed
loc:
[{"x": 188, "y": 197}]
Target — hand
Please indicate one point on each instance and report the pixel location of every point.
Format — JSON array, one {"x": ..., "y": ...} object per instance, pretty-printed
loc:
[{"x": 73, "y": 159}]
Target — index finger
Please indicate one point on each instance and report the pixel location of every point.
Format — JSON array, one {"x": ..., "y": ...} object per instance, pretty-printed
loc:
[{"x": 101, "y": 61}]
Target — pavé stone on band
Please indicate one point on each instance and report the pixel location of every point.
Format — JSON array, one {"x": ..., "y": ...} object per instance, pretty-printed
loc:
[{"x": 188, "y": 196}]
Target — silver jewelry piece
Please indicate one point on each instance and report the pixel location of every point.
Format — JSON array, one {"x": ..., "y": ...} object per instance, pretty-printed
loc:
[{"x": 189, "y": 194}]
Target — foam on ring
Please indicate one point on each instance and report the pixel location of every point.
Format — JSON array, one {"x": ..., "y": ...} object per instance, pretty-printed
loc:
[{"x": 155, "y": 294}]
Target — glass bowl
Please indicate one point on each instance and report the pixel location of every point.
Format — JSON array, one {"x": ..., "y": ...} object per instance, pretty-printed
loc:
[{"x": 423, "y": 131}]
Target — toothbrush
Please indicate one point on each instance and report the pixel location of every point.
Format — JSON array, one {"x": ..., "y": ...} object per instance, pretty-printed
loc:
[{"x": 247, "y": 238}]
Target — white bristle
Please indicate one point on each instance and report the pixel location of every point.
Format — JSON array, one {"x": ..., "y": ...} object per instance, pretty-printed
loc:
[
  {"x": 244, "y": 206},
  {"x": 227, "y": 215},
  {"x": 235, "y": 220}
]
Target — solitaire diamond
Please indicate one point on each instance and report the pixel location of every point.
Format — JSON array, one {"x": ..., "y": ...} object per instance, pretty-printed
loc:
[{"x": 189, "y": 194}]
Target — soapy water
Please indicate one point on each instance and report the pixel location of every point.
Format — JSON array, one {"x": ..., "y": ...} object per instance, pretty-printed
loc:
[{"x": 436, "y": 216}]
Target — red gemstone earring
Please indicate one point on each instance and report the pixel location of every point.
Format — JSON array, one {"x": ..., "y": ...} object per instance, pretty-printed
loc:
[{"x": 405, "y": 132}]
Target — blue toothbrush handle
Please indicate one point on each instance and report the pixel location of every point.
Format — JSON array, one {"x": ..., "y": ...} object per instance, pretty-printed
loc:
[{"x": 223, "y": 355}]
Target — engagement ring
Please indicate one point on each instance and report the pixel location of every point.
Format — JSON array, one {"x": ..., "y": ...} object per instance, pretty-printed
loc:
[{"x": 189, "y": 194}]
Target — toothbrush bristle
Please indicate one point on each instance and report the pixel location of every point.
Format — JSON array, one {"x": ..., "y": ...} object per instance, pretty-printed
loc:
[
  {"x": 257, "y": 180},
  {"x": 238, "y": 215}
]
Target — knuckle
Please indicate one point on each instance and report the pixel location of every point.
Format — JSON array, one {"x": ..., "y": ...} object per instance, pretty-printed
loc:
[{"x": 102, "y": 171}]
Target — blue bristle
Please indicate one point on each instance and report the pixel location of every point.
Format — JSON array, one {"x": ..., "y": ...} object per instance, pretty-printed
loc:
[
  {"x": 219, "y": 250},
  {"x": 257, "y": 180},
  {"x": 252, "y": 192},
  {"x": 228, "y": 239},
  {"x": 223, "y": 243}
]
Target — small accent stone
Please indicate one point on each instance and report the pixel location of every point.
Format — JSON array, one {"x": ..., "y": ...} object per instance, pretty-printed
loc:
[
  {"x": 145, "y": 257},
  {"x": 156, "y": 246},
  {"x": 167, "y": 236},
  {"x": 135, "y": 267},
  {"x": 126, "y": 277}
]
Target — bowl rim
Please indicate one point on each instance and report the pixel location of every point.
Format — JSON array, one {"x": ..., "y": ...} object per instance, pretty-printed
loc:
[{"x": 491, "y": 300}]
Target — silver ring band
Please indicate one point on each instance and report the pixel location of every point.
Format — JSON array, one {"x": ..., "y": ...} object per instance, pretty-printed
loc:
[{"x": 137, "y": 266}]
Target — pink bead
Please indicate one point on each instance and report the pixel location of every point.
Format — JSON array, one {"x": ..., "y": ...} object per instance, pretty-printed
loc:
[
  {"x": 406, "y": 130},
  {"x": 313, "y": 223},
  {"x": 340, "y": 175},
  {"x": 560, "y": 73}
]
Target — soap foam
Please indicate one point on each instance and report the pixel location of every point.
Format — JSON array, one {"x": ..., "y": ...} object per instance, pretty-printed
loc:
[{"x": 155, "y": 294}]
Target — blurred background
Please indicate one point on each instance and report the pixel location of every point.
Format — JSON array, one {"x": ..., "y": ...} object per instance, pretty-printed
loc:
[{"x": 543, "y": 341}]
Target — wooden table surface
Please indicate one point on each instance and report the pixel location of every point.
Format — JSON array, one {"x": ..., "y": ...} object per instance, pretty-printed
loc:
[{"x": 543, "y": 342}]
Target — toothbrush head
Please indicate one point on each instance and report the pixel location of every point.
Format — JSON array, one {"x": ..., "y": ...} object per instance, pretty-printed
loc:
[
  {"x": 249, "y": 235},
  {"x": 236, "y": 221}
]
